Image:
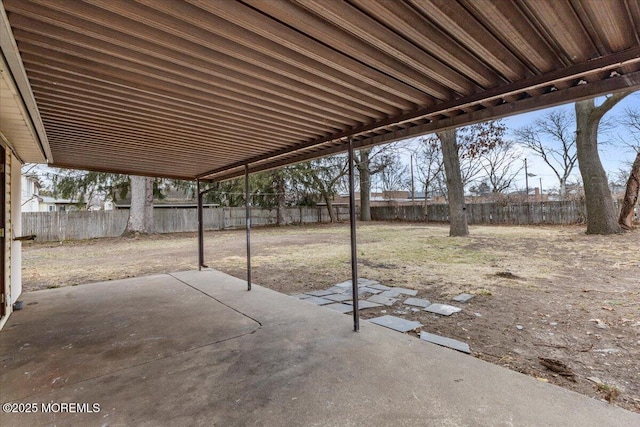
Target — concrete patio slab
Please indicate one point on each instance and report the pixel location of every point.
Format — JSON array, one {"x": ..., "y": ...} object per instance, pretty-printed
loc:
[
  {"x": 93, "y": 330},
  {"x": 196, "y": 348},
  {"x": 301, "y": 296}
]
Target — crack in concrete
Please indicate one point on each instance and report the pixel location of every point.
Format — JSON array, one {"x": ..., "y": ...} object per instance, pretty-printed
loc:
[{"x": 215, "y": 299}]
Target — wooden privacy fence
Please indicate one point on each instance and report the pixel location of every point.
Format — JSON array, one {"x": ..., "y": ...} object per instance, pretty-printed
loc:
[
  {"x": 561, "y": 212},
  {"x": 59, "y": 226},
  {"x": 79, "y": 225}
]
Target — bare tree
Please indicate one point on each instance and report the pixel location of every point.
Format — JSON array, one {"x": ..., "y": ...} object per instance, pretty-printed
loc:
[
  {"x": 394, "y": 174},
  {"x": 630, "y": 200},
  {"x": 430, "y": 170},
  {"x": 467, "y": 143},
  {"x": 501, "y": 166},
  {"x": 601, "y": 213},
  {"x": 473, "y": 142},
  {"x": 553, "y": 139}
]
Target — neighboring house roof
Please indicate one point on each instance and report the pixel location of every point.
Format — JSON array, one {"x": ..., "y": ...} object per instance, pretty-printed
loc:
[
  {"x": 55, "y": 201},
  {"x": 169, "y": 205}
]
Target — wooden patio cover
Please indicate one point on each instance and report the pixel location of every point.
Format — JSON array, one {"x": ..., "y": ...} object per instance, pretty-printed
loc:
[{"x": 201, "y": 88}]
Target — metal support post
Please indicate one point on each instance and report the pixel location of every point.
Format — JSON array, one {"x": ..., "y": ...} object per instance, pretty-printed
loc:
[
  {"x": 200, "y": 228},
  {"x": 354, "y": 253},
  {"x": 248, "y": 222}
]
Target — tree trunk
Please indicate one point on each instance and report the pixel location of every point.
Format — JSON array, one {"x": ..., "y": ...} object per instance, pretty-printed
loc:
[
  {"x": 601, "y": 213},
  {"x": 280, "y": 197},
  {"x": 455, "y": 189},
  {"x": 365, "y": 185},
  {"x": 327, "y": 198},
  {"x": 563, "y": 188},
  {"x": 630, "y": 196},
  {"x": 141, "y": 210}
]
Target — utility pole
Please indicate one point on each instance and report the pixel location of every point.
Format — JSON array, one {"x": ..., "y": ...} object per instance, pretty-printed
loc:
[
  {"x": 413, "y": 191},
  {"x": 526, "y": 178}
]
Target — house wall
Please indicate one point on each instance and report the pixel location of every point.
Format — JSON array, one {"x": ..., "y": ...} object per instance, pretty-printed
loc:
[
  {"x": 46, "y": 207},
  {"x": 29, "y": 203},
  {"x": 13, "y": 249}
]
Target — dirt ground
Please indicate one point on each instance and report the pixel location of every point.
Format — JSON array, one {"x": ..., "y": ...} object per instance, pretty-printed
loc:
[{"x": 550, "y": 292}]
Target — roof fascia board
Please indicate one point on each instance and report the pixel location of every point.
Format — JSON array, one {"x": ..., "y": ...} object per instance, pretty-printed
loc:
[
  {"x": 575, "y": 93},
  {"x": 18, "y": 75}
]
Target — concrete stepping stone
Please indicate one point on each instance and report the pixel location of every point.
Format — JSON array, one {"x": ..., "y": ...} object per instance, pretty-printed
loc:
[
  {"x": 361, "y": 282},
  {"x": 417, "y": 302},
  {"x": 380, "y": 287},
  {"x": 338, "y": 297},
  {"x": 365, "y": 304},
  {"x": 344, "y": 285},
  {"x": 391, "y": 293},
  {"x": 320, "y": 293},
  {"x": 361, "y": 292},
  {"x": 342, "y": 308},
  {"x": 337, "y": 290},
  {"x": 396, "y": 323},
  {"x": 367, "y": 282},
  {"x": 379, "y": 299},
  {"x": 405, "y": 291},
  {"x": 443, "y": 309},
  {"x": 366, "y": 289},
  {"x": 462, "y": 297},
  {"x": 301, "y": 296},
  {"x": 445, "y": 342},
  {"x": 318, "y": 300}
]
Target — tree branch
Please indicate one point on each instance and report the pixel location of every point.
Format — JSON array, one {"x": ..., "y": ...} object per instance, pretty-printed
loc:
[{"x": 609, "y": 103}]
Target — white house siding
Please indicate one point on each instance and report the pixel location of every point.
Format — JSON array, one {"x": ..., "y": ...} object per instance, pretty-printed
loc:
[{"x": 13, "y": 249}]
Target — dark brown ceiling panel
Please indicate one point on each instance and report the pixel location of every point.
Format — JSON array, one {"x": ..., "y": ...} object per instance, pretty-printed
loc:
[{"x": 200, "y": 88}]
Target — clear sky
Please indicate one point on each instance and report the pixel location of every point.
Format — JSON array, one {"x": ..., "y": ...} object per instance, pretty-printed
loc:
[{"x": 613, "y": 155}]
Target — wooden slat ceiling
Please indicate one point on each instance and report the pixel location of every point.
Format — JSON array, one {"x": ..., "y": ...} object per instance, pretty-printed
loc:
[{"x": 199, "y": 88}]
